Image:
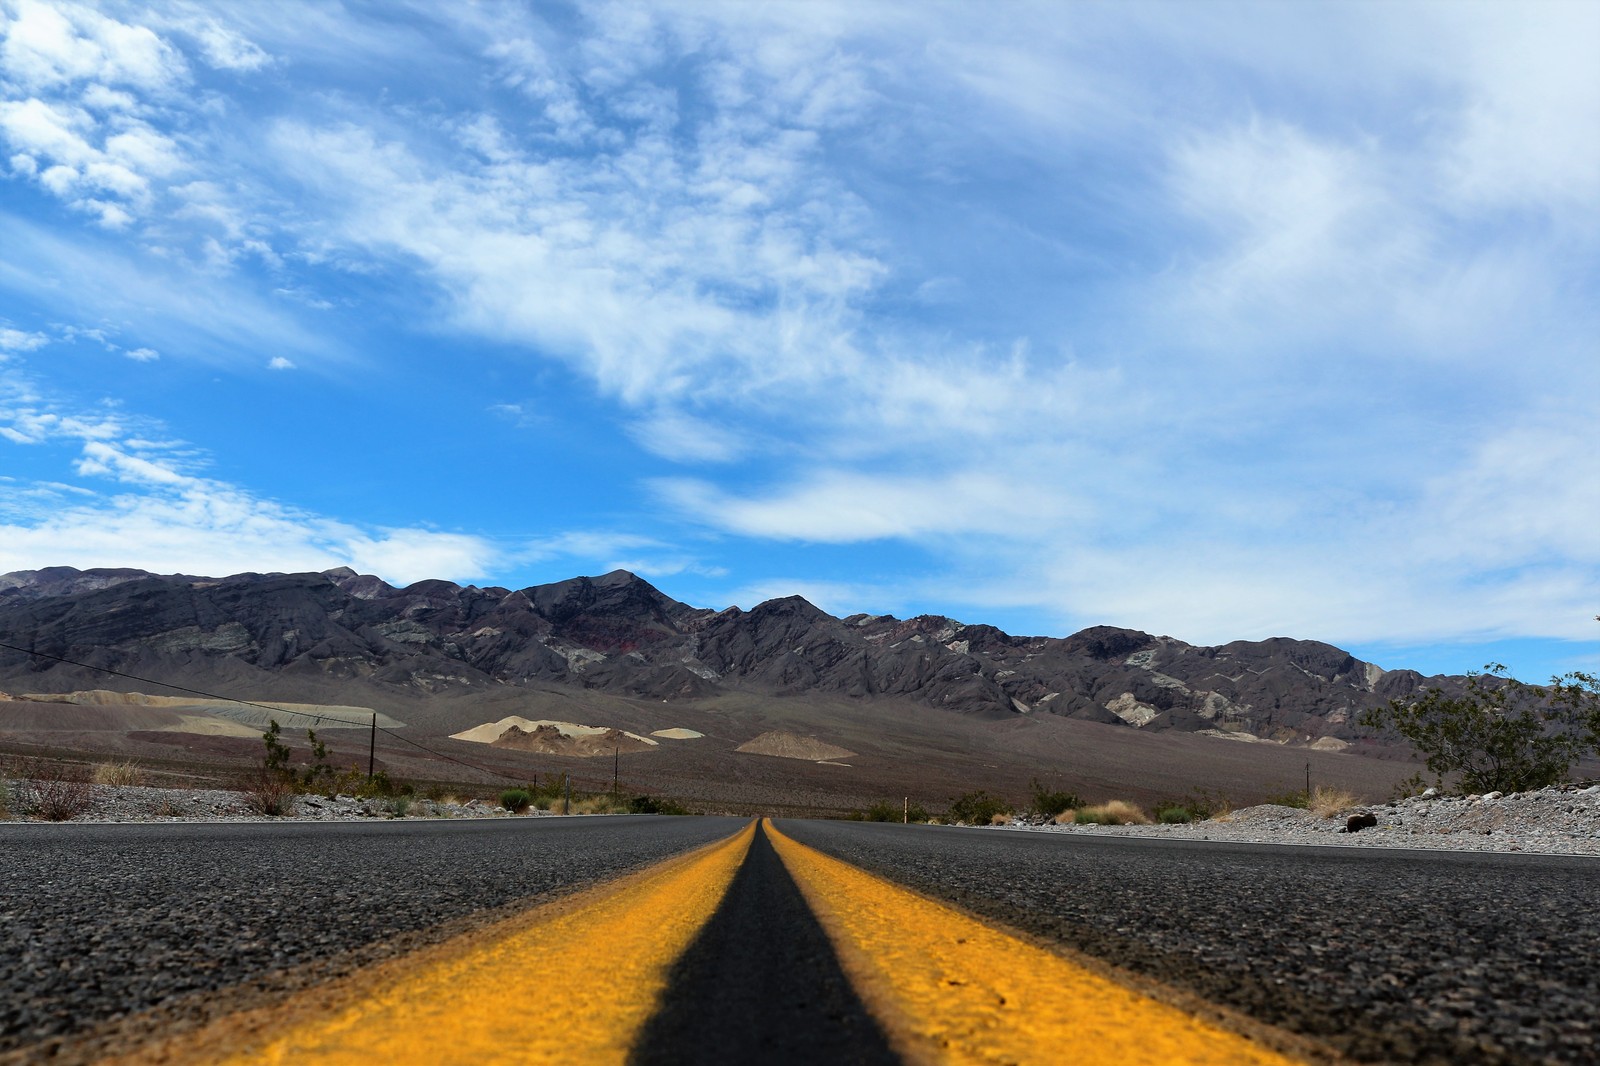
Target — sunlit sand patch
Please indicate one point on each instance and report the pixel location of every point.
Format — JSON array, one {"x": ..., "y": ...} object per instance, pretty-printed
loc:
[
  {"x": 490, "y": 732},
  {"x": 785, "y": 745}
]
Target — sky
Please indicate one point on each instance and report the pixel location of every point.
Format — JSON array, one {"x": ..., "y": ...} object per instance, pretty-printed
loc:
[{"x": 1216, "y": 320}]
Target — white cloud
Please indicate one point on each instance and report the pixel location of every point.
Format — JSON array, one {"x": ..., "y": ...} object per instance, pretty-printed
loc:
[
  {"x": 48, "y": 45},
  {"x": 1244, "y": 282},
  {"x": 161, "y": 518},
  {"x": 279, "y": 362},
  {"x": 144, "y": 355},
  {"x": 681, "y": 436},
  {"x": 843, "y": 508},
  {"x": 16, "y": 340}
]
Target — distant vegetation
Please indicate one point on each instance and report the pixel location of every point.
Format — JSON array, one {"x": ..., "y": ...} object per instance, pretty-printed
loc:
[
  {"x": 885, "y": 811},
  {"x": 1112, "y": 812},
  {"x": 1048, "y": 803},
  {"x": 1500, "y": 735},
  {"x": 977, "y": 808},
  {"x": 52, "y": 790}
]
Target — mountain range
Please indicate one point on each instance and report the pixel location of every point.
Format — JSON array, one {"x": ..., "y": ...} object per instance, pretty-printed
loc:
[{"x": 618, "y": 634}]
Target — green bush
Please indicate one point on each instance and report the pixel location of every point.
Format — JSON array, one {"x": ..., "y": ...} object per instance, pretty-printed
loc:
[
  {"x": 977, "y": 808},
  {"x": 886, "y": 811},
  {"x": 1200, "y": 805},
  {"x": 1500, "y": 735},
  {"x": 399, "y": 806},
  {"x": 1299, "y": 798},
  {"x": 516, "y": 800},
  {"x": 1048, "y": 803},
  {"x": 1174, "y": 816},
  {"x": 655, "y": 805},
  {"x": 5, "y": 801}
]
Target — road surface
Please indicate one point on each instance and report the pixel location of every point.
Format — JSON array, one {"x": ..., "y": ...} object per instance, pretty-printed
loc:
[{"x": 690, "y": 939}]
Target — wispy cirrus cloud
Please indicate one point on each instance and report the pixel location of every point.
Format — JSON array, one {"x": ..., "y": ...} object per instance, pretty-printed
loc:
[{"x": 1149, "y": 313}]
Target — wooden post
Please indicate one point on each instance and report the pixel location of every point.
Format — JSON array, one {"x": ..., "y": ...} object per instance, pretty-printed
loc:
[
  {"x": 905, "y": 815},
  {"x": 372, "y": 746}
]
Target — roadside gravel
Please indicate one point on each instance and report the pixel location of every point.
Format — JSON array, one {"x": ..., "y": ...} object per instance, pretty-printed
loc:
[
  {"x": 1564, "y": 820},
  {"x": 136, "y": 803}
]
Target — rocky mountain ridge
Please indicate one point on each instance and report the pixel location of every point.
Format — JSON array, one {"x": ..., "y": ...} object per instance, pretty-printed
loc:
[{"x": 617, "y": 633}]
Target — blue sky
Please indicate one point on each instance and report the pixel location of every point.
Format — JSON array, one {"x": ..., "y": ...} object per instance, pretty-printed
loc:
[{"x": 1223, "y": 321}]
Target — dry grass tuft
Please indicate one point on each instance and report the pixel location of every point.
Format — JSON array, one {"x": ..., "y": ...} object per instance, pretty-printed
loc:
[
  {"x": 269, "y": 792},
  {"x": 53, "y": 791},
  {"x": 1113, "y": 812},
  {"x": 1000, "y": 819},
  {"x": 599, "y": 804},
  {"x": 1328, "y": 802},
  {"x": 118, "y": 774}
]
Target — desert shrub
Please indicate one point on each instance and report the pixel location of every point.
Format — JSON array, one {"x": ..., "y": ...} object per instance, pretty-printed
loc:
[
  {"x": 551, "y": 794},
  {"x": 1415, "y": 785},
  {"x": 655, "y": 805},
  {"x": 600, "y": 803},
  {"x": 319, "y": 771},
  {"x": 270, "y": 787},
  {"x": 269, "y": 791},
  {"x": 1499, "y": 734},
  {"x": 1299, "y": 798},
  {"x": 976, "y": 808},
  {"x": 1202, "y": 804},
  {"x": 5, "y": 800},
  {"x": 1198, "y": 806},
  {"x": 516, "y": 800},
  {"x": 1049, "y": 803},
  {"x": 888, "y": 811},
  {"x": 1327, "y": 802},
  {"x": 399, "y": 806},
  {"x": 1112, "y": 812},
  {"x": 118, "y": 774},
  {"x": 53, "y": 791}
]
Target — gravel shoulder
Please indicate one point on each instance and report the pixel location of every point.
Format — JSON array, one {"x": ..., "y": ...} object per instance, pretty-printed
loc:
[
  {"x": 140, "y": 803},
  {"x": 1563, "y": 820}
]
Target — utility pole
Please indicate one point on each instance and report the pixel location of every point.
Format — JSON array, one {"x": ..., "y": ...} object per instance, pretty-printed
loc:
[
  {"x": 1308, "y": 781},
  {"x": 905, "y": 814},
  {"x": 372, "y": 745},
  {"x": 566, "y": 804},
  {"x": 616, "y": 767}
]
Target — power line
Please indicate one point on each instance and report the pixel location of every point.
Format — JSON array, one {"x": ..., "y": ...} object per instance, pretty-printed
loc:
[{"x": 259, "y": 706}]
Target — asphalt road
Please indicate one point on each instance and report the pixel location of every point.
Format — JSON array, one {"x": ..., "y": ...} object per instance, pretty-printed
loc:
[
  {"x": 1386, "y": 955},
  {"x": 101, "y": 921}
]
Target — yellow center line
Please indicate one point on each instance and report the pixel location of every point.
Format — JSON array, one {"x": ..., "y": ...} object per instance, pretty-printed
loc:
[
  {"x": 570, "y": 981},
  {"x": 949, "y": 989}
]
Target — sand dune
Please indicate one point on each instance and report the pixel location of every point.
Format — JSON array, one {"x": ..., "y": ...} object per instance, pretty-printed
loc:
[
  {"x": 792, "y": 746},
  {"x": 490, "y": 732}
]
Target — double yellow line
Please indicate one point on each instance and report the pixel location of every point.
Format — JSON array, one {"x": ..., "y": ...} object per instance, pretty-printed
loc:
[{"x": 575, "y": 982}]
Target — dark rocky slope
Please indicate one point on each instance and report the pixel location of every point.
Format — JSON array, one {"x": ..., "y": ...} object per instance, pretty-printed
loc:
[{"x": 288, "y": 633}]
